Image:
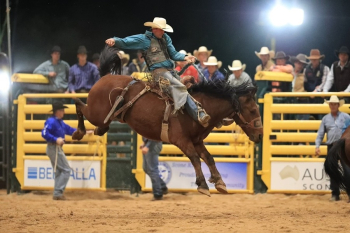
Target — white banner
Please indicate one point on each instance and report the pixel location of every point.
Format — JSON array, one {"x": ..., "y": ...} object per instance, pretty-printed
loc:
[
  {"x": 181, "y": 175},
  {"x": 84, "y": 174},
  {"x": 299, "y": 176}
]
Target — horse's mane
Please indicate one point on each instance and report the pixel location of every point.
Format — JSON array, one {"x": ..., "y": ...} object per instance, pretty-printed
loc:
[{"x": 222, "y": 89}]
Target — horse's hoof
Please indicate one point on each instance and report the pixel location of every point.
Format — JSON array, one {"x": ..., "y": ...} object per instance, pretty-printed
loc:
[
  {"x": 221, "y": 188},
  {"x": 77, "y": 135},
  {"x": 204, "y": 191}
]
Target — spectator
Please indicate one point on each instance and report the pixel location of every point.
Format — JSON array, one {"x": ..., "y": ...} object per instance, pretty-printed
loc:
[
  {"x": 190, "y": 71},
  {"x": 83, "y": 75},
  {"x": 281, "y": 63},
  {"x": 56, "y": 70},
  {"x": 298, "y": 82},
  {"x": 212, "y": 71},
  {"x": 299, "y": 66},
  {"x": 125, "y": 60},
  {"x": 265, "y": 56},
  {"x": 333, "y": 123},
  {"x": 138, "y": 64},
  {"x": 96, "y": 60},
  {"x": 338, "y": 78},
  {"x": 202, "y": 55},
  {"x": 150, "y": 150},
  {"x": 316, "y": 72},
  {"x": 238, "y": 75},
  {"x": 54, "y": 131}
]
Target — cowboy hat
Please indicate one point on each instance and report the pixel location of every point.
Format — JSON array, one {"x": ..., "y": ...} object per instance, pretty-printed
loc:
[
  {"x": 300, "y": 58},
  {"x": 202, "y": 49},
  {"x": 212, "y": 61},
  {"x": 334, "y": 99},
  {"x": 342, "y": 49},
  {"x": 57, "y": 106},
  {"x": 315, "y": 54},
  {"x": 82, "y": 50},
  {"x": 264, "y": 51},
  {"x": 159, "y": 23},
  {"x": 237, "y": 65},
  {"x": 56, "y": 48},
  {"x": 123, "y": 55},
  {"x": 280, "y": 55},
  {"x": 184, "y": 52}
]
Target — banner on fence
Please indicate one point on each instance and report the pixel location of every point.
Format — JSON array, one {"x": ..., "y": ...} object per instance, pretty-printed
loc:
[
  {"x": 299, "y": 176},
  {"x": 181, "y": 175},
  {"x": 84, "y": 174}
]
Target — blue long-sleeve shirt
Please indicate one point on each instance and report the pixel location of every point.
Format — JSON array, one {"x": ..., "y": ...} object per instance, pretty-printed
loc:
[
  {"x": 217, "y": 75},
  {"x": 55, "y": 128},
  {"x": 333, "y": 127},
  {"x": 346, "y": 125},
  {"x": 83, "y": 77},
  {"x": 142, "y": 42}
]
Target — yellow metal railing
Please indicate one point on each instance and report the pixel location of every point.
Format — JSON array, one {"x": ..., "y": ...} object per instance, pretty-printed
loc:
[
  {"x": 31, "y": 146},
  {"x": 287, "y": 147}
]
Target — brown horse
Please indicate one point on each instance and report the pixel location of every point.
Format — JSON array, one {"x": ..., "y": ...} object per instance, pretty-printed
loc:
[{"x": 219, "y": 99}]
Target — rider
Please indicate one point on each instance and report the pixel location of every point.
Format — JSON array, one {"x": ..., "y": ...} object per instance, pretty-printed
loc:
[{"x": 159, "y": 53}]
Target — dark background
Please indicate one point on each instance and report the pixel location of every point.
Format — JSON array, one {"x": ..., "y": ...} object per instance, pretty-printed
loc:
[{"x": 233, "y": 29}]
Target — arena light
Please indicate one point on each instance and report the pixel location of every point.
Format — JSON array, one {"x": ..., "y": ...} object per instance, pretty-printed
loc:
[
  {"x": 281, "y": 16},
  {"x": 5, "y": 82}
]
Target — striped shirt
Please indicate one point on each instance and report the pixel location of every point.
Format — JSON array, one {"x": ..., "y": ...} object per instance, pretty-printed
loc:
[{"x": 333, "y": 126}]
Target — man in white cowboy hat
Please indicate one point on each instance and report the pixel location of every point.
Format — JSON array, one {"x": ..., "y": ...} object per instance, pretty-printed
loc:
[
  {"x": 316, "y": 72},
  {"x": 265, "y": 56},
  {"x": 125, "y": 59},
  {"x": 190, "y": 71},
  {"x": 159, "y": 54},
  {"x": 338, "y": 78},
  {"x": 299, "y": 66},
  {"x": 333, "y": 123},
  {"x": 212, "y": 71},
  {"x": 238, "y": 75},
  {"x": 202, "y": 55}
]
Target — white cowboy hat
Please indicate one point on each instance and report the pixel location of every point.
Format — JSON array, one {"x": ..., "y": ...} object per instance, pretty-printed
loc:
[
  {"x": 202, "y": 49},
  {"x": 212, "y": 61},
  {"x": 334, "y": 99},
  {"x": 264, "y": 51},
  {"x": 184, "y": 52},
  {"x": 124, "y": 55},
  {"x": 159, "y": 23},
  {"x": 237, "y": 65}
]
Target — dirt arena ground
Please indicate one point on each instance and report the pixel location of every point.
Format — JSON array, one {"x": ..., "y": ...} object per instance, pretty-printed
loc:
[{"x": 122, "y": 212}]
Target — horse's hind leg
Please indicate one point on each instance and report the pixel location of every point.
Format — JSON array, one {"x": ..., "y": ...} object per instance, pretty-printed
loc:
[
  {"x": 80, "y": 132},
  {"x": 194, "y": 158},
  {"x": 209, "y": 160}
]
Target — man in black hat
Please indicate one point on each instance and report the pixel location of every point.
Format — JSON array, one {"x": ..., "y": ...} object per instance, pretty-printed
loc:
[
  {"x": 56, "y": 70},
  {"x": 338, "y": 79},
  {"x": 281, "y": 66},
  {"x": 83, "y": 75},
  {"x": 96, "y": 60},
  {"x": 54, "y": 131}
]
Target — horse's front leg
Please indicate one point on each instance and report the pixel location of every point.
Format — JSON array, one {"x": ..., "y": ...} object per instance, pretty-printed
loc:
[
  {"x": 191, "y": 153},
  {"x": 80, "y": 132},
  {"x": 209, "y": 160}
]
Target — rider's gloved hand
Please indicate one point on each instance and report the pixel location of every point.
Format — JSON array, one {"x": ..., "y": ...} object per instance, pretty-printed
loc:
[
  {"x": 110, "y": 42},
  {"x": 190, "y": 59}
]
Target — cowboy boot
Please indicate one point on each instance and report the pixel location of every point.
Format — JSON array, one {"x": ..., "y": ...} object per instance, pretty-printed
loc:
[{"x": 194, "y": 109}]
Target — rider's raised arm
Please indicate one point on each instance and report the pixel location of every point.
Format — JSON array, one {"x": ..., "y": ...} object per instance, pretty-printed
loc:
[
  {"x": 132, "y": 42},
  {"x": 174, "y": 55}
]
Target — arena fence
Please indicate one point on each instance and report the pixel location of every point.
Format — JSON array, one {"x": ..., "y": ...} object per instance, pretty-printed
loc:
[
  {"x": 233, "y": 154},
  {"x": 289, "y": 163},
  {"x": 32, "y": 167}
]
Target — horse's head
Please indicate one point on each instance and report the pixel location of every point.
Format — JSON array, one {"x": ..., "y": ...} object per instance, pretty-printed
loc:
[{"x": 247, "y": 114}]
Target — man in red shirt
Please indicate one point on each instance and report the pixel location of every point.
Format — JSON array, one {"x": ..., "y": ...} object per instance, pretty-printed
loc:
[{"x": 191, "y": 71}]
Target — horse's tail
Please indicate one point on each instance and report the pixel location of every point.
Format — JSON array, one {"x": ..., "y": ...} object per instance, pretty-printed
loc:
[
  {"x": 331, "y": 165},
  {"x": 110, "y": 61}
]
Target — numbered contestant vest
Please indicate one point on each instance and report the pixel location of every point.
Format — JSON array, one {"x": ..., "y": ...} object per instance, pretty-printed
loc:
[{"x": 157, "y": 51}]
